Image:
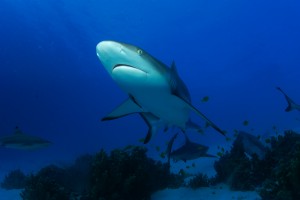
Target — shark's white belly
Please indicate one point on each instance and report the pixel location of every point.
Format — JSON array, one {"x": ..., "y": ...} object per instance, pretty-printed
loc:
[
  {"x": 152, "y": 92},
  {"x": 165, "y": 106}
]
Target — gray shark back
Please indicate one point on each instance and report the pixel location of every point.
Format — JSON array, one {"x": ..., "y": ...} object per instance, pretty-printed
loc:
[
  {"x": 251, "y": 144},
  {"x": 22, "y": 141},
  {"x": 190, "y": 151}
]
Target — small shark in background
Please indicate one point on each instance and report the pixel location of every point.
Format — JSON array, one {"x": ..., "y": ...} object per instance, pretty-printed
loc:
[
  {"x": 155, "y": 91},
  {"x": 291, "y": 104},
  {"x": 251, "y": 144},
  {"x": 188, "y": 151},
  {"x": 22, "y": 141}
]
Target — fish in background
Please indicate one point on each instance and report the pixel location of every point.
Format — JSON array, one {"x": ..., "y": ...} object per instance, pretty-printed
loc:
[
  {"x": 22, "y": 141},
  {"x": 188, "y": 151},
  {"x": 251, "y": 144},
  {"x": 155, "y": 91},
  {"x": 291, "y": 104}
]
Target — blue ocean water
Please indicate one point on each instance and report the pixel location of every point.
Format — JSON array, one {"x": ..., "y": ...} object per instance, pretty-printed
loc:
[{"x": 53, "y": 85}]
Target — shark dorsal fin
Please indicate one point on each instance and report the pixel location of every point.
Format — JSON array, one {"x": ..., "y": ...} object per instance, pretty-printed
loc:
[
  {"x": 18, "y": 131},
  {"x": 178, "y": 88}
]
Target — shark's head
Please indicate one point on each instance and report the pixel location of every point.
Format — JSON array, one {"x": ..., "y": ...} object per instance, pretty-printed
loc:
[{"x": 128, "y": 64}]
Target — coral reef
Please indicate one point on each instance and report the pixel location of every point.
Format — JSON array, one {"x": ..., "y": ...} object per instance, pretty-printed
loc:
[
  {"x": 200, "y": 180},
  {"x": 277, "y": 175},
  {"x": 15, "y": 179},
  {"x": 124, "y": 174},
  {"x": 56, "y": 183},
  {"x": 284, "y": 164},
  {"x": 47, "y": 184},
  {"x": 81, "y": 169},
  {"x": 127, "y": 174},
  {"x": 239, "y": 171}
]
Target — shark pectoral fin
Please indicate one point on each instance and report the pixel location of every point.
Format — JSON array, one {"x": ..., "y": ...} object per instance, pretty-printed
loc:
[
  {"x": 152, "y": 123},
  {"x": 208, "y": 121},
  {"x": 126, "y": 108},
  {"x": 202, "y": 116}
]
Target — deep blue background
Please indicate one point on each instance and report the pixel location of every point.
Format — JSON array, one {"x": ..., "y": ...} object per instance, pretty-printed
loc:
[{"x": 53, "y": 85}]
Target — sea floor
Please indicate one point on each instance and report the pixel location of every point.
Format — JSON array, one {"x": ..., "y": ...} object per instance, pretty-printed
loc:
[
  {"x": 10, "y": 194},
  {"x": 219, "y": 192},
  {"x": 202, "y": 165}
]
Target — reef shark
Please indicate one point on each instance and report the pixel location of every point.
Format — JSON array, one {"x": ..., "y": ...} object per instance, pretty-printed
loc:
[
  {"x": 291, "y": 104},
  {"x": 251, "y": 144},
  {"x": 155, "y": 91},
  {"x": 19, "y": 140},
  {"x": 189, "y": 151}
]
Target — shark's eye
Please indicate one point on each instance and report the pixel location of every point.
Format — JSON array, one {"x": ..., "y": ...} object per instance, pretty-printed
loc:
[{"x": 139, "y": 51}]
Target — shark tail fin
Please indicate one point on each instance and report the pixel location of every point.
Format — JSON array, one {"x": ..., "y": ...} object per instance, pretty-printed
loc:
[{"x": 291, "y": 104}]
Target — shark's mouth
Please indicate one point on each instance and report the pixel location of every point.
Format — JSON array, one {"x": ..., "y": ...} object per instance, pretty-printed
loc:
[{"x": 128, "y": 66}]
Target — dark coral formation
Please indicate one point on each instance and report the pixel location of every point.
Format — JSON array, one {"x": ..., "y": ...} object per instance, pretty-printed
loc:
[
  {"x": 284, "y": 162},
  {"x": 47, "y": 184},
  {"x": 128, "y": 174},
  {"x": 237, "y": 170},
  {"x": 53, "y": 182},
  {"x": 200, "y": 180},
  {"x": 78, "y": 175},
  {"x": 278, "y": 174},
  {"x": 124, "y": 174},
  {"x": 15, "y": 179}
]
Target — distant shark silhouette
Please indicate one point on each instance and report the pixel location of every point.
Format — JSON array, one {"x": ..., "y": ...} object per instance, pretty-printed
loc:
[
  {"x": 22, "y": 141},
  {"x": 188, "y": 151},
  {"x": 155, "y": 91},
  {"x": 291, "y": 104},
  {"x": 251, "y": 144}
]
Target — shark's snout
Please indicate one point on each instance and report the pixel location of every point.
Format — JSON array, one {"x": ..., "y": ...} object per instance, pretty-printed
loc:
[
  {"x": 107, "y": 47},
  {"x": 101, "y": 48},
  {"x": 109, "y": 53}
]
